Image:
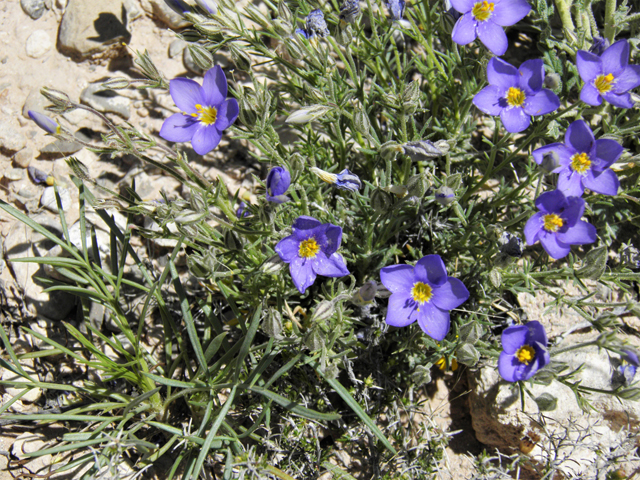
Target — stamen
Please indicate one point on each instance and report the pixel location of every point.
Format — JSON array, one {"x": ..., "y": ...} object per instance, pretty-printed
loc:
[
  {"x": 525, "y": 354},
  {"x": 604, "y": 83},
  {"x": 309, "y": 248},
  {"x": 421, "y": 292},
  {"x": 580, "y": 163},
  {"x": 552, "y": 222},
  {"x": 206, "y": 115},
  {"x": 481, "y": 11},
  {"x": 515, "y": 97}
]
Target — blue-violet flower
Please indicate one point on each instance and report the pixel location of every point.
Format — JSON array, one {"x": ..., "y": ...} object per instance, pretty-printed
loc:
[
  {"x": 557, "y": 225},
  {"x": 524, "y": 351},
  {"x": 608, "y": 76},
  {"x": 44, "y": 122},
  {"x": 278, "y": 182},
  {"x": 582, "y": 161},
  {"x": 516, "y": 94},
  {"x": 485, "y": 19},
  {"x": 396, "y": 9},
  {"x": 424, "y": 293},
  {"x": 206, "y": 111},
  {"x": 315, "y": 25},
  {"x": 311, "y": 250}
]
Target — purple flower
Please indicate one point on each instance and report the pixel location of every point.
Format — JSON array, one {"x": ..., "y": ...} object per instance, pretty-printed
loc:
[
  {"x": 242, "y": 210},
  {"x": 557, "y": 225},
  {"x": 524, "y": 351},
  {"x": 516, "y": 94},
  {"x": 311, "y": 251},
  {"x": 424, "y": 293},
  {"x": 345, "y": 180},
  {"x": 583, "y": 162},
  {"x": 178, "y": 6},
  {"x": 630, "y": 363},
  {"x": 608, "y": 76},
  {"x": 44, "y": 122},
  {"x": 278, "y": 182},
  {"x": 396, "y": 9},
  {"x": 206, "y": 111},
  {"x": 349, "y": 11},
  {"x": 485, "y": 20},
  {"x": 208, "y": 5}
]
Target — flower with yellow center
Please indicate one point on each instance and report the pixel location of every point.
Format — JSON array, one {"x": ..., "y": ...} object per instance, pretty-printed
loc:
[
  {"x": 552, "y": 222},
  {"x": 205, "y": 115},
  {"x": 525, "y": 354},
  {"x": 604, "y": 83},
  {"x": 482, "y": 11},
  {"x": 580, "y": 163},
  {"x": 309, "y": 248},
  {"x": 515, "y": 97},
  {"x": 421, "y": 292}
]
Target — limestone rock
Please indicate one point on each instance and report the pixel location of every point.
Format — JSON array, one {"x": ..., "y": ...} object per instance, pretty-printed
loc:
[
  {"x": 23, "y": 158},
  {"x": 33, "y": 8},
  {"x": 106, "y": 101},
  {"x": 10, "y": 137},
  {"x": 38, "y": 44},
  {"x": 33, "y": 394},
  {"x": 88, "y": 28},
  {"x": 48, "y": 199},
  {"x": 159, "y": 10}
]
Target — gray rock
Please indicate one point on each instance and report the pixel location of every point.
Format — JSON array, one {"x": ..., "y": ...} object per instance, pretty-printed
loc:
[
  {"x": 10, "y": 137},
  {"x": 33, "y": 8},
  {"x": 176, "y": 47},
  {"x": 14, "y": 174},
  {"x": 23, "y": 158},
  {"x": 38, "y": 44},
  {"x": 159, "y": 10},
  {"x": 106, "y": 101},
  {"x": 189, "y": 64},
  {"x": 92, "y": 27},
  {"x": 48, "y": 199},
  {"x": 64, "y": 147},
  {"x": 36, "y": 102}
]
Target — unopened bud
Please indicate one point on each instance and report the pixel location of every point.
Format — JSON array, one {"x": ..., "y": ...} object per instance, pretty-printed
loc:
[
  {"x": 550, "y": 161},
  {"x": 380, "y": 201},
  {"x": 201, "y": 56},
  {"x": 417, "y": 186},
  {"x": 470, "y": 332},
  {"x": 365, "y": 294},
  {"x": 552, "y": 80},
  {"x": 60, "y": 100},
  {"x": 323, "y": 311},
  {"x": 272, "y": 323},
  {"x": 272, "y": 265},
  {"x": 421, "y": 150},
  {"x": 445, "y": 196},
  {"x": 399, "y": 191},
  {"x": 467, "y": 354},
  {"x": 239, "y": 56},
  {"x": 116, "y": 83},
  {"x": 208, "y": 27},
  {"x": 44, "y": 122},
  {"x": 361, "y": 122},
  {"x": 411, "y": 93},
  {"x": 231, "y": 241},
  {"x": 308, "y": 114},
  {"x": 189, "y": 216},
  {"x": 314, "y": 340}
]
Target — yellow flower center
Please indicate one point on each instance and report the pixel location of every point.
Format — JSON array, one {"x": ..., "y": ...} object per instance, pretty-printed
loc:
[
  {"x": 515, "y": 97},
  {"x": 481, "y": 11},
  {"x": 604, "y": 83},
  {"x": 525, "y": 354},
  {"x": 580, "y": 162},
  {"x": 309, "y": 248},
  {"x": 552, "y": 222},
  {"x": 421, "y": 292},
  {"x": 206, "y": 115}
]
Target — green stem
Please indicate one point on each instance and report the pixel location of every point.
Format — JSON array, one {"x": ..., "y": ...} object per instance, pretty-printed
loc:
[
  {"x": 564, "y": 9},
  {"x": 571, "y": 347},
  {"x": 609, "y": 26}
]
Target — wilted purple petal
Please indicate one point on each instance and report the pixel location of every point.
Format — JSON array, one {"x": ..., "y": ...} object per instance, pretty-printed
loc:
[{"x": 278, "y": 181}]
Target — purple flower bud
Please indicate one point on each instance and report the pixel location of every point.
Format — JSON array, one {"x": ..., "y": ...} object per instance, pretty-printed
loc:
[
  {"x": 178, "y": 6},
  {"x": 599, "y": 45},
  {"x": 345, "y": 180},
  {"x": 44, "y": 122},
  {"x": 278, "y": 182},
  {"x": 396, "y": 9},
  {"x": 208, "y": 5},
  {"x": 445, "y": 196},
  {"x": 242, "y": 210},
  {"x": 316, "y": 24},
  {"x": 37, "y": 176}
]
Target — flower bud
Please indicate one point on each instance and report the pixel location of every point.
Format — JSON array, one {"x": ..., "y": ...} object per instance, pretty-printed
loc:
[
  {"x": 278, "y": 182},
  {"x": 361, "y": 122},
  {"x": 37, "y": 176},
  {"x": 365, "y": 294},
  {"x": 380, "y": 201},
  {"x": 445, "y": 196},
  {"x": 308, "y": 114},
  {"x": 314, "y": 340},
  {"x": 550, "y": 161},
  {"x": 272, "y": 265},
  {"x": 231, "y": 241},
  {"x": 60, "y": 100},
  {"x": 201, "y": 56},
  {"x": 324, "y": 311},
  {"x": 177, "y": 6},
  {"x": 345, "y": 180},
  {"x": 284, "y": 11},
  {"x": 239, "y": 56},
  {"x": 470, "y": 332},
  {"x": 417, "y": 186},
  {"x": 116, "y": 83},
  {"x": 188, "y": 216},
  {"x": 467, "y": 354},
  {"x": 208, "y": 27},
  {"x": 44, "y": 122},
  {"x": 349, "y": 11},
  {"x": 411, "y": 95},
  {"x": 552, "y": 80},
  {"x": 272, "y": 323},
  {"x": 208, "y": 5},
  {"x": 421, "y": 150}
]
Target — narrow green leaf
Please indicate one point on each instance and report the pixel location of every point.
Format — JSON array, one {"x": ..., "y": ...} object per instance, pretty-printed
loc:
[
  {"x": 169, "y": 381},
  {"x": 294, "y": 407}
]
